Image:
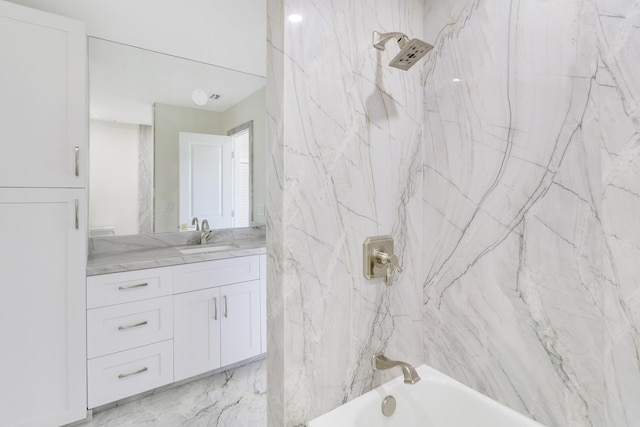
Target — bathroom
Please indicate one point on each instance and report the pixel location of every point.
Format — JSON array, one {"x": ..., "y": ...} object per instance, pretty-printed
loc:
[{"x": 496, "y": 164}]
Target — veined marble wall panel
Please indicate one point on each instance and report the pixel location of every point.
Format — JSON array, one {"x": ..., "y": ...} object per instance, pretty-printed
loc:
[
  {"x": 349, "y": 167},
  {"x": 619, "y": 135},
  {"x": 513, "y": 304},
  {"x": 145, "y": 179},
  {"x": 276, "y": 329}
]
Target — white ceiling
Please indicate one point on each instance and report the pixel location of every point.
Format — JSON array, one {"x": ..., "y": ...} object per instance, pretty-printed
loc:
[
  {"x": 229, "y": 33},
  {"x": 125, "y": 81}
]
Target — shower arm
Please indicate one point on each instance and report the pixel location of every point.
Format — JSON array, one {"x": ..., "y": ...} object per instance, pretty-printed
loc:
[{"x": 379, "y": 39}]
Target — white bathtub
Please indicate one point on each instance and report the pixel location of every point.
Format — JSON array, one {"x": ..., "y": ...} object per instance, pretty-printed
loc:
[{"x": 435, "y": 401}]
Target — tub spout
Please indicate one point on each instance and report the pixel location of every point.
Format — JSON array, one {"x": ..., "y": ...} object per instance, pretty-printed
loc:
[{"x": 381, "y": 362}]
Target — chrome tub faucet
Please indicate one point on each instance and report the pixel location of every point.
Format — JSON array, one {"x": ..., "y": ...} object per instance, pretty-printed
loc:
[{"x": 380, "y": 362}]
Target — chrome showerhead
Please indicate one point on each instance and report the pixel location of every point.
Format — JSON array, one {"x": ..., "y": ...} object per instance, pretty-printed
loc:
[{"x": 410, "y": 50}]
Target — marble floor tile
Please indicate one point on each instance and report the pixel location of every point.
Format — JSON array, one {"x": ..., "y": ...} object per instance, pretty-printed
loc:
[{"x": 235, "y": 398}]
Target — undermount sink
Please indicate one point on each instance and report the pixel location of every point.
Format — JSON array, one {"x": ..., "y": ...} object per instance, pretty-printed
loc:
[{"x": 205, "y": 249}]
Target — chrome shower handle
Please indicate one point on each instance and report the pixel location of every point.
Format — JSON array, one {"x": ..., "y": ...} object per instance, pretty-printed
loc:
[
  {"x": 384, "y": 258},
  {"x": 379, "y": 258},
  {"x": 389, "y": 262}
]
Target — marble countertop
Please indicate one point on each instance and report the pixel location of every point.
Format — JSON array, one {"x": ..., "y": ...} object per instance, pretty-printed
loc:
[{"x": 138, "y": 255}]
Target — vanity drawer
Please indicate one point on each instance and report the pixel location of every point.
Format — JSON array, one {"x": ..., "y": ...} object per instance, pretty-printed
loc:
[
  {"x": 202, "y": 275},
  {"x": 117, "y": 288},
  {"x": 124, "y": 326},
  {"x": 124, "y": 374}
]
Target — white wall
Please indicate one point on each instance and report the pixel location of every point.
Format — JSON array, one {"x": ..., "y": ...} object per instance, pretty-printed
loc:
[{"x": 113, "y": 189}]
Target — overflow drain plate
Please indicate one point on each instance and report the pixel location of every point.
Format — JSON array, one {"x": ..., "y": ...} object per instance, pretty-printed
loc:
[{"x": 388, "y": 406}]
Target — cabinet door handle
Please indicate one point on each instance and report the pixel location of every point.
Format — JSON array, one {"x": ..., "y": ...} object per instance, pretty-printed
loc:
[
  {"x": 139, "y": 285},
  {"x": 139, "y": 371},
  {"x": 137, "y": 325},
  {"x": 215, "y": 308},
  {"x": 77, "y": 215},
  {"x": 225, "y": 306},
  {"x": 77, "y": 153}
]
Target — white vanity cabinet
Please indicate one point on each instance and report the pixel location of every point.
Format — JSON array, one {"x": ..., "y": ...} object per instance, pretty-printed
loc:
[
  {"x": 220, "y": 323},
  {"x": 43, "y": 213},
  {"x": 129, "y": 333},
  {"x": 148, "y": 328}
]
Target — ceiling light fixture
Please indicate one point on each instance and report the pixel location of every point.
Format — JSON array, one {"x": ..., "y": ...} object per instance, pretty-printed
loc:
[
  {"x": 294, "y": 17},
  {"x": 199, "y": 97}
]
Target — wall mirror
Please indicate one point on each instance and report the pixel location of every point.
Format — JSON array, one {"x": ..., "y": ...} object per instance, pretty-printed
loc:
[{"x": 171, "y": 139}]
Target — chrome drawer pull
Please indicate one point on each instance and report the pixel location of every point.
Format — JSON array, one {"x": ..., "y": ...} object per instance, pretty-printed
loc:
[
  {"x": 137, "y": 325},
  {"x": 225, "y": 306},
  {"x": 139, "y": 285},
  {"x": 77, "y": 216},
  {"x": 215, "y": 308},
  {"x": 139, "y": 371},
  {"x": 77, "y": 152}
]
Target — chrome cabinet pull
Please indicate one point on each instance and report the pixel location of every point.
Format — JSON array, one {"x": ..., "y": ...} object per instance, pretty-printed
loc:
[
  {"x": 139, "y": 371},
  {"x": 139, "y": 285},
  {"x": 215, "y": 308},
  {"x": 225, "y": 306},
  {"x": 77, "y": 152},
  {"x": 77, "y": 215},
  {"x": 137, "y": 325}
]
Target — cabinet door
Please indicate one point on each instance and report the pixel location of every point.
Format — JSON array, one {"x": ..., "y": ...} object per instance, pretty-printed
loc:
[
  {"x": 42, "y": 306},
  {"x": 240, "y": 327},
  {"x": 43, "y": 99},
  {"x": 196, "y": 332}
]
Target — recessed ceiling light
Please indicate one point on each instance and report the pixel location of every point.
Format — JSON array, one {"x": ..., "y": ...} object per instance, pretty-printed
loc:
[
  {"x": 456, "y": 80},
  {"x": 295, "y": 17}
]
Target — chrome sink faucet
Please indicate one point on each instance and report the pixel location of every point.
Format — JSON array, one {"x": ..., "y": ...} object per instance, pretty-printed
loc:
[
  {"x": 380, "y": 362},
  {"x": 194, "y": 221},
  {"x": 206, "y": 232}
]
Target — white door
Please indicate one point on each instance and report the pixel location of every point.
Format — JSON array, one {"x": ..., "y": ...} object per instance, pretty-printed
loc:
[
  {"x": 196, "y": 332},
  {"x": 240, "y": 327},
  {"x": 42, "y": 306},
  {"x": 42, "y": 99},
  {"x": 206, "y": 187}
]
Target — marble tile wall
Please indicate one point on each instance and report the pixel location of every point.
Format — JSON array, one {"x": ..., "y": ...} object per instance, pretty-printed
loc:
[
  {"x": 618, "y": 102},
  {"x": 346, "y": 134},
  {"x": 530, "y": 193},
  {"x": 517, "y": 227},
  {"x": 145, "y": 179}
]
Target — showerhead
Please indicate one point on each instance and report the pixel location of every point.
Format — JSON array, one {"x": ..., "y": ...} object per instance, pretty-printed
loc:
[{"x": 410, "y": 50}]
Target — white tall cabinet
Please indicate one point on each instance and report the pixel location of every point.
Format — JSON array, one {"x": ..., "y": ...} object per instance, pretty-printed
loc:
[{"x": 42, "y": 218}]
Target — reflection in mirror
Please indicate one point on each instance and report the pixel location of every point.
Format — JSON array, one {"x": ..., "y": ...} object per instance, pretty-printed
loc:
[{"x": 142, "y": 104}]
